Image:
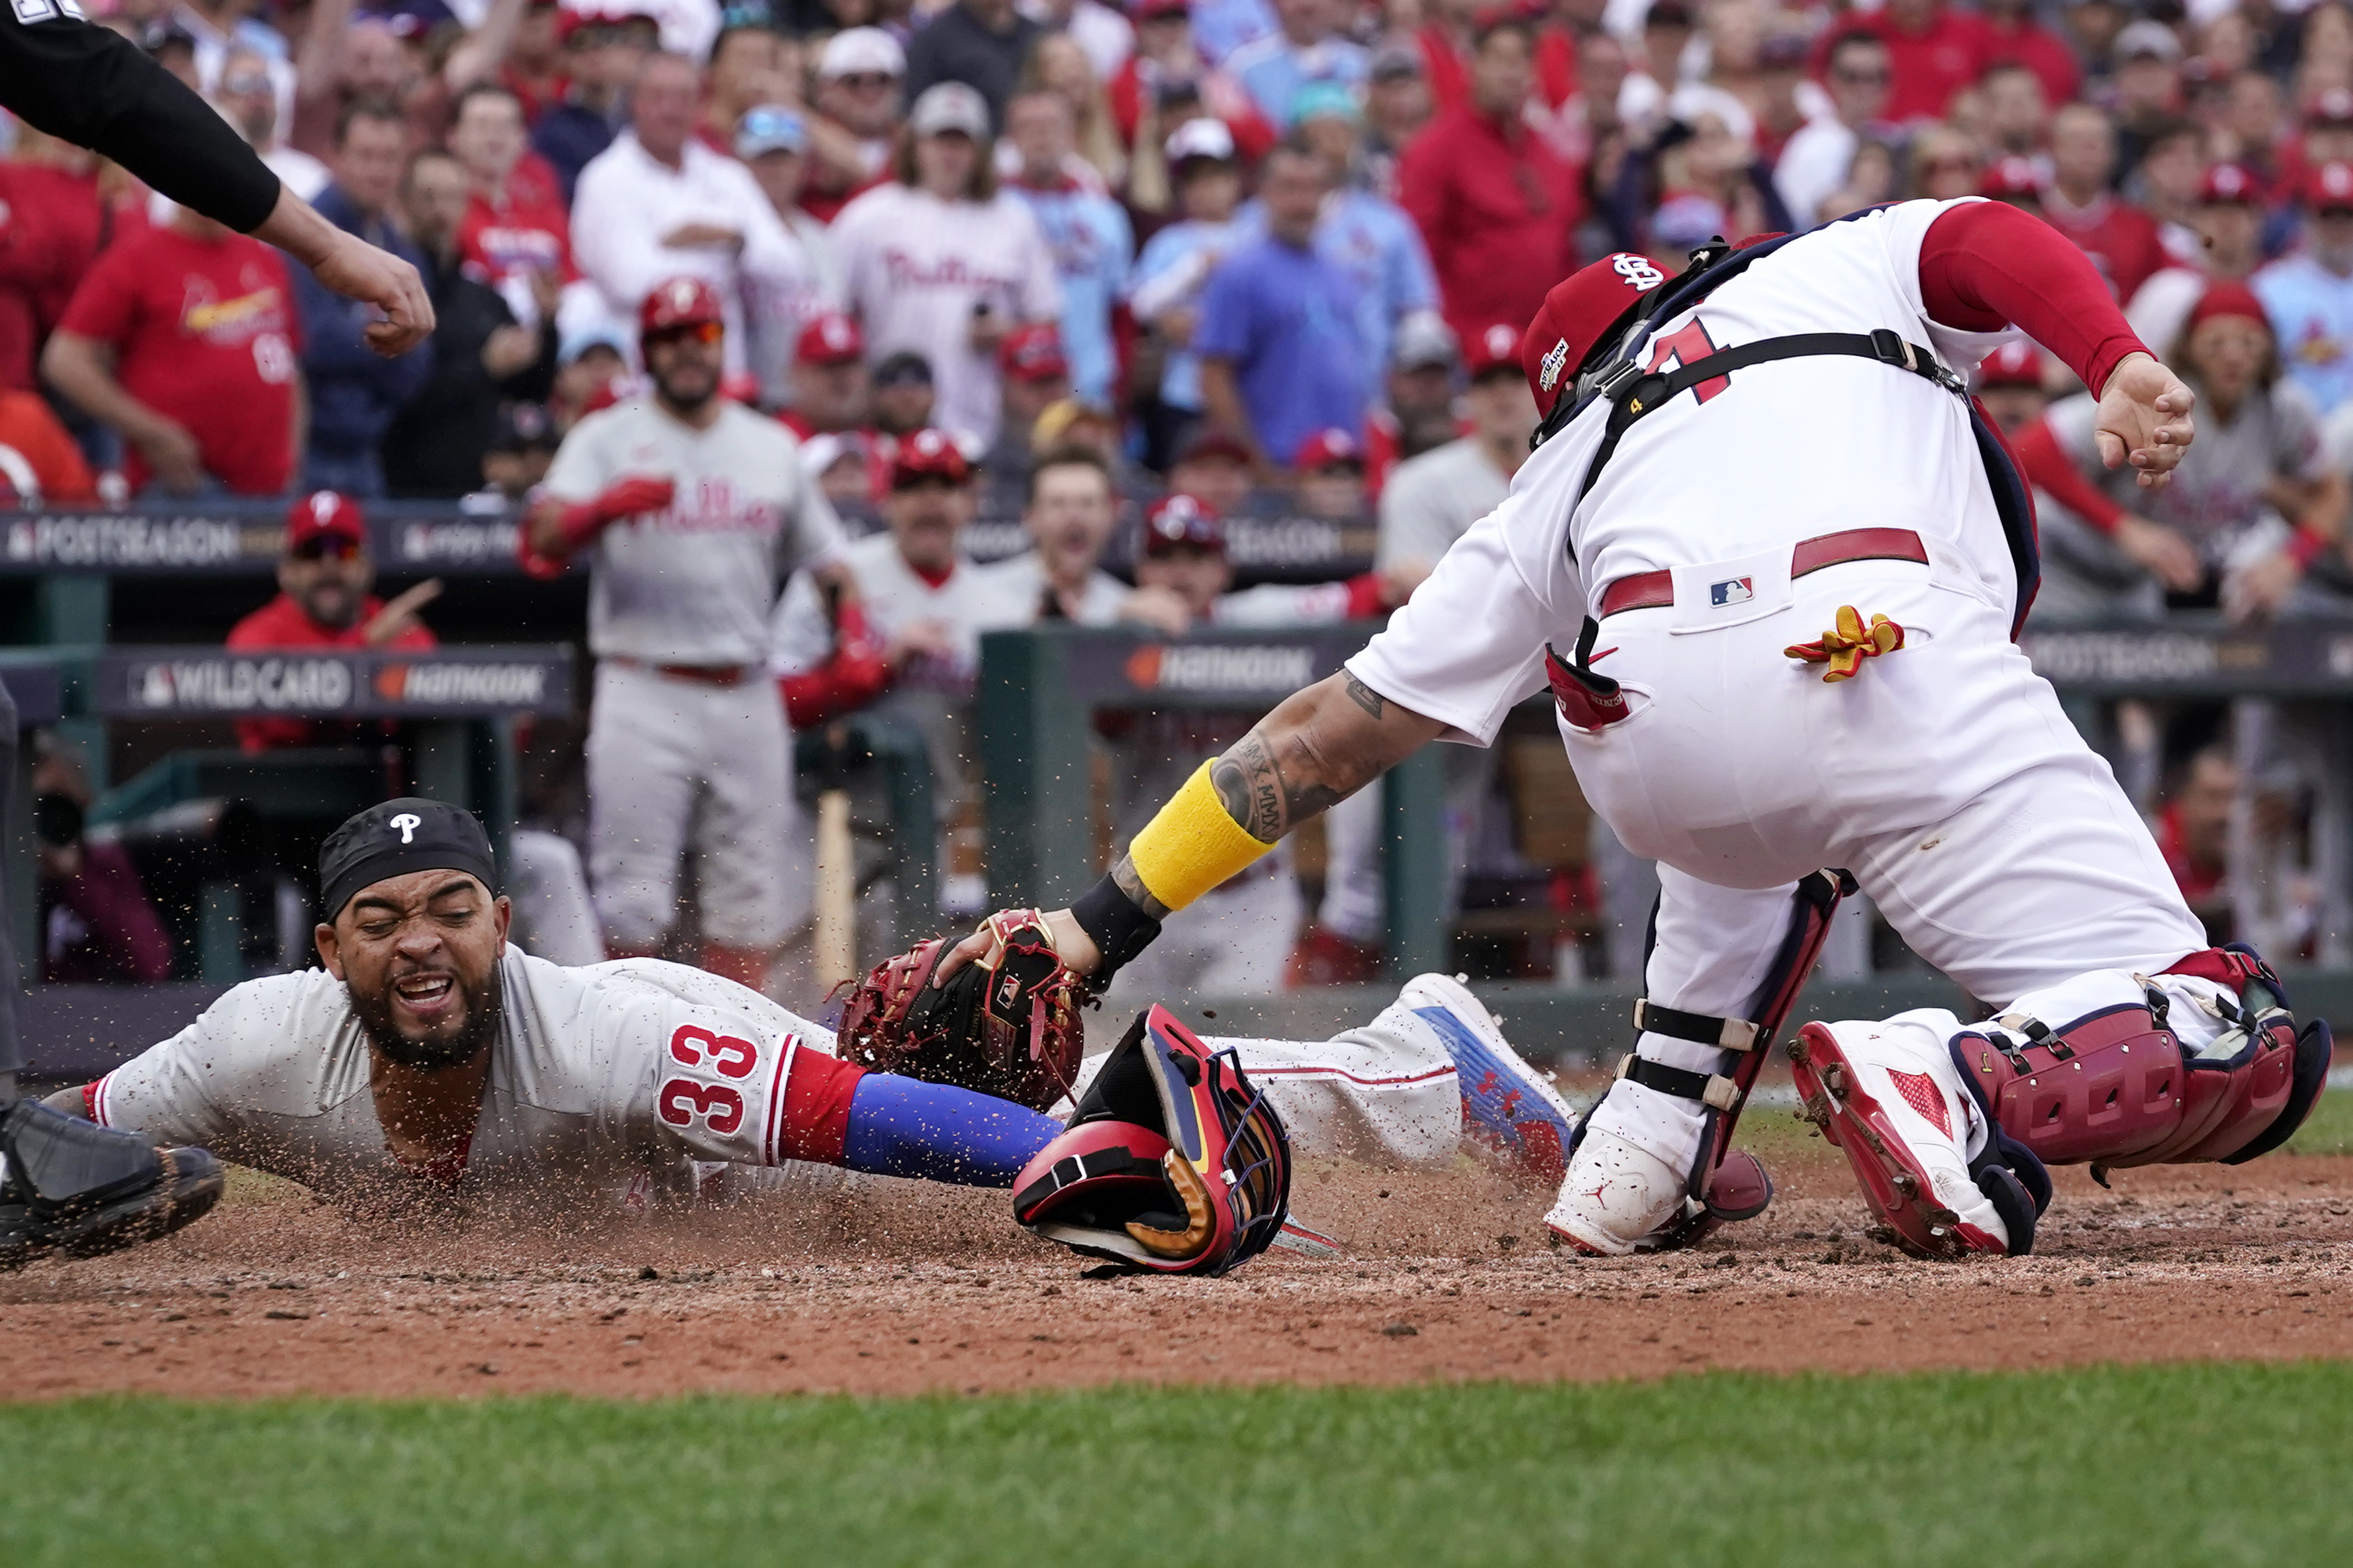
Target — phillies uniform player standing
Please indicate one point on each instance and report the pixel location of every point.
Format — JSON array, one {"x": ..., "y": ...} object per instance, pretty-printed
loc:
[
  {"x": 689, "y": 506},
  {"x": 1735, "y": 462}
]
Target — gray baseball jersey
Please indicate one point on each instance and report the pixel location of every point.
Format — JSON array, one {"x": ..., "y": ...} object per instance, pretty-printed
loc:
[
  {"x": 609, "y": 1085},
  {"x": 1431, "y": 500},
  {"x": 696, "y": 584}
]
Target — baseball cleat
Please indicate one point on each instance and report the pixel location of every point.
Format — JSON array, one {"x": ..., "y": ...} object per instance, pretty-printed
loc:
[
  {"x": 69, "y": 1186},
  {"x": 1902, "y": 1128},
  {"x": 1616, "y": 1197},
  {"x": 1506, "y": 1104}
]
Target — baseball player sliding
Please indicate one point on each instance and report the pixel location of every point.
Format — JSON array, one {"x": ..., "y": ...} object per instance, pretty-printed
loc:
[
  {"x": 1771, "y": 561},
  {"x": 430, "y": 1058}
]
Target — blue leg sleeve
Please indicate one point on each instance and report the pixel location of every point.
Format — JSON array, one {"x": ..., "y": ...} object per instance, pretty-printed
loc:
[{"x": 906, "y": 1126}]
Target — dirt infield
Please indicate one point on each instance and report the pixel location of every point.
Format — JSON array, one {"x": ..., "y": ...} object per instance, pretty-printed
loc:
[{"x": 925, "y": 1290}]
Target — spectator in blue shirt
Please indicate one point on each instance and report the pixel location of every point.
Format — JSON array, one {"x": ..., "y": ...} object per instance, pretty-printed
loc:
[
  {"x": 1222, "y": 27},
  {"x": 1088, "y": 232},
  {"x": 1365, "y": 235},
  {"x": 1281, "y": 356},
  {"x": 1173, "y": 274},
  {"x": 2309, "y": 295},
  {"x": 602, "y": 58},
  {"x": 1308, "y": 45},
  {"x": 355, "y": 393}
]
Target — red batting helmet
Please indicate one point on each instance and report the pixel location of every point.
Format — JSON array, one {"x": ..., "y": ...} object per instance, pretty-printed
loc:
[
  {"x": 1576, "y": 314},
  {"x": 679, "y": 302}
]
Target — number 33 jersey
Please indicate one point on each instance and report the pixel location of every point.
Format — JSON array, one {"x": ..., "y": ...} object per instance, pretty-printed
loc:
[{"x": 614, "y": 1084}]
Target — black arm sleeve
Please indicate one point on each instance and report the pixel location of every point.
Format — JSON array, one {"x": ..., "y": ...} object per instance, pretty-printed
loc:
[{"x": 97, "y": 89}]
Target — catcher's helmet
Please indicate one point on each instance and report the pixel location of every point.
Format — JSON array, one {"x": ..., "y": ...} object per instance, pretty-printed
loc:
[
  {"x": 679, "y": 302},
  {"x": 1173, "y": 1162}
]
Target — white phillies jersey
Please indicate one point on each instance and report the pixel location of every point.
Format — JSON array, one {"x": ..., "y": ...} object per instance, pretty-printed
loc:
[
  {"x": 1719, "y": 485},
  {"x": 607, "y": 1083},
  {"x": 695, "y": 583},
  {"x": 969, "y": 601},
  {"x": 914, "y": 267}
]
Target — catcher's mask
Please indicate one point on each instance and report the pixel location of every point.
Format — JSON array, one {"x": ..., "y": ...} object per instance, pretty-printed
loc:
[{"x": 1172, "y": 1162}]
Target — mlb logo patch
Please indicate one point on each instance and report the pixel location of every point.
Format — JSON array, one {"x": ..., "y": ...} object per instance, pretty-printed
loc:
[{"x": 1733, "y": 591}]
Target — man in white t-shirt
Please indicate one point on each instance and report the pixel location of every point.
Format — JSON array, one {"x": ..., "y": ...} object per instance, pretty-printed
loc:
[
  {"x": 1687, "y": 551},
  {"x": 657, "y": 204},
  {"x": 690, "y": 507},
  {"x": 938, "y": 262}
]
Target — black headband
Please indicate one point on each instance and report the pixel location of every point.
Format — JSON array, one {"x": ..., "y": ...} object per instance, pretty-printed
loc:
[{"x": 397, "y": 837}]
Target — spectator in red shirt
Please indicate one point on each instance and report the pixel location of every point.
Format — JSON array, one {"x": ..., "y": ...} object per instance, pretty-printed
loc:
[
  {"x": 323, "y": 602},
  {"x": 2121, "y": 239},
  {"x": 1496, "y": 206},
  {"x": 38, "y": 461},
  {"x": 515, "y": 234},
  {"x": 1934, "y": 52},
  {"x": 185, "y": 341},
  {"x": 2012, "y": 37},
  {"x": 53, "y": 223}
]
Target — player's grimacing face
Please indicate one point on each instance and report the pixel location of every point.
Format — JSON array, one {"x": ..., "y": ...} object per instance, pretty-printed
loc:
[{"x": 419, "y": 953}]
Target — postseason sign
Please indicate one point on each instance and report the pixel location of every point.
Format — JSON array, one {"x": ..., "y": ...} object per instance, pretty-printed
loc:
[
  {"x": 210, "y": 682},
  {"x": 1239, "y": 671},
  {"x": 469, "y": 538}
]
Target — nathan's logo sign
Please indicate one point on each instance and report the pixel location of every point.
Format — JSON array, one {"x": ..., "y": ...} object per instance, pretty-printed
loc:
[
  {"x": 242, "y": 685},
  {"x": 1221, "y": 667},
  {"x": 464, "y": 685}
]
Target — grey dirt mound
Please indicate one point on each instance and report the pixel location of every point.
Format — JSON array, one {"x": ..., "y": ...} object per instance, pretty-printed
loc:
[{"x": 1446, "y": 1276}]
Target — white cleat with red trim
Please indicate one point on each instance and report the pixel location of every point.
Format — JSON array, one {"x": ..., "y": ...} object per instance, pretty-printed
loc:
[
  {"x": 1888, "y": 1095},
  {"x": 1615, "y": 1196}
]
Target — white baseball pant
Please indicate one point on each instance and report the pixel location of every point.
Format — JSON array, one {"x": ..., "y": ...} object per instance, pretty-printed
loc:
[
  {"x": 1944, "y": 776},
  {"x": 676, "y": 764},
  {"x": 1385, "y": 1092}
]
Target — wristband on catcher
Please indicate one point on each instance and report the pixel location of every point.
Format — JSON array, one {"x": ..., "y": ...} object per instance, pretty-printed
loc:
[
  {"x": 1119, "y": 929},
  {"x": 1192, "y": 846}
]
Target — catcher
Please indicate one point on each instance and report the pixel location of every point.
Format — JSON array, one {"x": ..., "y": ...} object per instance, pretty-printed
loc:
[{"x": 428, "y": 1057}]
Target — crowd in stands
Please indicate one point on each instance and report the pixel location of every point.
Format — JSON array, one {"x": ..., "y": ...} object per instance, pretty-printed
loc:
[{"x": 1108, "y": 283}]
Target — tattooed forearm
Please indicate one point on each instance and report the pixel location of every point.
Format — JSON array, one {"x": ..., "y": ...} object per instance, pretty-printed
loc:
[
  {"x": 1366, "y": 697},
  {"x": 1261, "y": 796},
  {"x": 1122, "y": 873}
]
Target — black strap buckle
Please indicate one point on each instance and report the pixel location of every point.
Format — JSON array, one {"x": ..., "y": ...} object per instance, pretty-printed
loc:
[{"x": 1618, "y": 377}]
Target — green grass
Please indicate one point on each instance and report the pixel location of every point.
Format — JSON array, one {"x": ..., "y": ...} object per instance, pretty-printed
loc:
[
  {"x": 2200, "y": 1464},
  {"x": 2329, "y": 1128}
]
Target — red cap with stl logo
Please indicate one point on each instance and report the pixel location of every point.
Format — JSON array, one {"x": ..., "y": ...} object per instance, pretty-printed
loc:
[{"x": 1574, "y": 317}]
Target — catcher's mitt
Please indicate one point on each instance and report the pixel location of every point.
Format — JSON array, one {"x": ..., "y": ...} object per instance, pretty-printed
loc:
[{"x": 1007, "y": 1025}]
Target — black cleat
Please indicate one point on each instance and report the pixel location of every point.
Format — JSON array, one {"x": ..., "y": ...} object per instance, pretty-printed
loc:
[{"x": 71, "y": 1186}]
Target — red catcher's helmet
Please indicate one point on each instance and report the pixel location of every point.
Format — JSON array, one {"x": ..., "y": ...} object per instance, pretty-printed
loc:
[
  {"x": 679, "y": 302},
  {"x": 1576, "y": 314}
]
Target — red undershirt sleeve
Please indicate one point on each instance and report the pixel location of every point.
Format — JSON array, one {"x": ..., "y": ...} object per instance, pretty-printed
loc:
[
  {"x": 1986, "y": 265},
  {"x": 2048, "y": 468}
]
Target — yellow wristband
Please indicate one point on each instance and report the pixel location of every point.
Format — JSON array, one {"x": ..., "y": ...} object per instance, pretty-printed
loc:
[{"x": 1192, "y": 845}]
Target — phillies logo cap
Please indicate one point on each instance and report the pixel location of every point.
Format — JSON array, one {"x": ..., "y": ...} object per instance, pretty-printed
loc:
[
  {"x": 396, "y": 838},
  {"x": 831, "y": 338},
  {"x": 1576, "y": 314}
]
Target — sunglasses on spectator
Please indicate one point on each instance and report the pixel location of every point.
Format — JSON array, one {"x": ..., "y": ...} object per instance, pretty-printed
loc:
[
  {"x": 327, "y": 547},
  {"x": 696, "y": 331},
  {"x": 245, "y": 82},
  {"x": 861, "y": 80}
]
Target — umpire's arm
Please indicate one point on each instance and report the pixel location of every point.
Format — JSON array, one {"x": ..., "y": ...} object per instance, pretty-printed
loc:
[{"x": 94, "y": 88}]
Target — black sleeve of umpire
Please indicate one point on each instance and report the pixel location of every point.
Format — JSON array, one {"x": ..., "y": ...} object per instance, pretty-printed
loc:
[{"x": 97, "y": 89}]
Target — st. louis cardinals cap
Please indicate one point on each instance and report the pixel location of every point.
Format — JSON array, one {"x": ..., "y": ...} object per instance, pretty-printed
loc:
[
  {"x": 396, "y": 838},
  {"x": 1580, "y": 309}
]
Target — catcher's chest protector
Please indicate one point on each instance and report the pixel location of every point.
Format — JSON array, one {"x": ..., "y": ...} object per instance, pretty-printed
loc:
[{"x": 2116, "y": 1088}]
